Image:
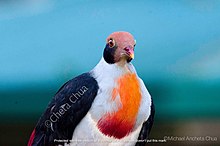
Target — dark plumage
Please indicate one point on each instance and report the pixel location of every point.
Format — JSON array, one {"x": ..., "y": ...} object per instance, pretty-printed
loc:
[
  {"x": 109, "y": 54},
  {"x": 65, "y": 125}
]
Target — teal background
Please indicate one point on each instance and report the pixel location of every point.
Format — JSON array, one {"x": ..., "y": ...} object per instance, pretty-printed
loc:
[{"x": 44, "y": 43}]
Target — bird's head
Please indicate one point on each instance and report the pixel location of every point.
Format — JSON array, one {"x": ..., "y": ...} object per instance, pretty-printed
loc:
[{"x": 119, "y": 48}]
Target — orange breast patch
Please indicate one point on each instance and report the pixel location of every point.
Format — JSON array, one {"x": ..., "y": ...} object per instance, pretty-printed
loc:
[{"x": 120, "y": 123}]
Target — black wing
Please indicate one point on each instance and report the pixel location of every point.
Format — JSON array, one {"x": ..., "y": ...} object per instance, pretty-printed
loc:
[
  {"x": 146, "y": 128},
  {"x": 67, "y": 108}
]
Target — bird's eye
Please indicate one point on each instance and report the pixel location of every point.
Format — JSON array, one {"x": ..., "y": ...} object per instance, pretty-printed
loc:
[{"x": 111, "y": 43}]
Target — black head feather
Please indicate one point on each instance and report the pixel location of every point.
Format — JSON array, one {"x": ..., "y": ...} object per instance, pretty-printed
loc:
[{"x": 109, "y": 54}]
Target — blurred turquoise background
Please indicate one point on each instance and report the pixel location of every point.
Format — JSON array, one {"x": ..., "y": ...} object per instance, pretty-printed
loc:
[{"x": 44, "y": 43}]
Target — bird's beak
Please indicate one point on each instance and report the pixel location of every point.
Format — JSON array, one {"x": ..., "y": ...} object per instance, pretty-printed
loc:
[{"x": 129, "y": 52}]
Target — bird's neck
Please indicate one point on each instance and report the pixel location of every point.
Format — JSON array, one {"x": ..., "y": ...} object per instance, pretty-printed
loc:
[{"x": 114, "y": 70}]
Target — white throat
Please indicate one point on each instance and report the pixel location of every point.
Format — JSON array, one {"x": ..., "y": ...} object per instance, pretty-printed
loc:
[{"x": 103, "y": 69}]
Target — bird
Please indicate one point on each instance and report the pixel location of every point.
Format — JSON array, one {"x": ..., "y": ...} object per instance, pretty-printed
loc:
[{"x": 109, "y": 105}]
